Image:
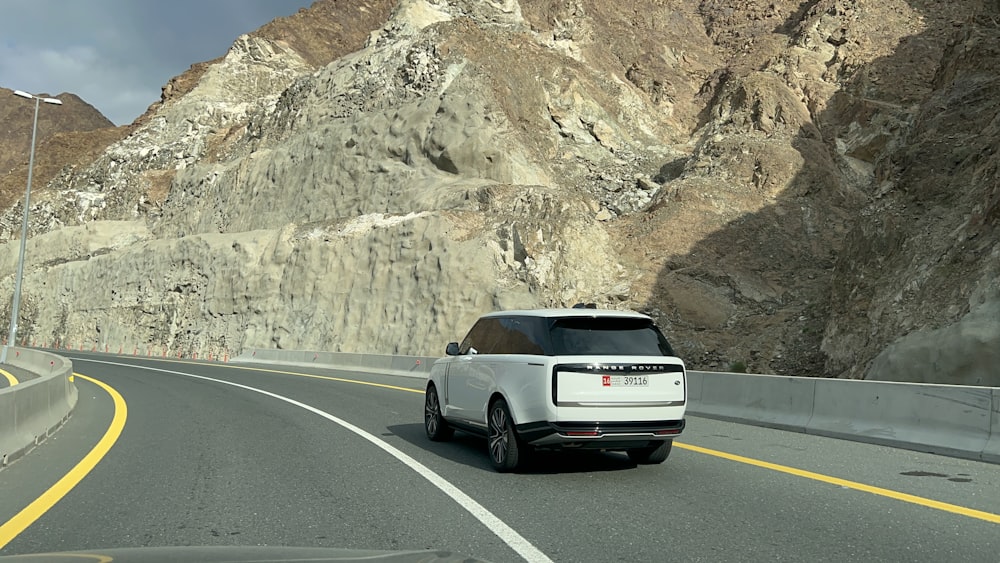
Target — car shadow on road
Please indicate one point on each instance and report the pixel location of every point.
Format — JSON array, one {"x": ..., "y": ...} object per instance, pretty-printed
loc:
[{"x": 471, "y": 451}]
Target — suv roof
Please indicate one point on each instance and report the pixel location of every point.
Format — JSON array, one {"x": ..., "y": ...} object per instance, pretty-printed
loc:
[{"x": 582, "y": 312}]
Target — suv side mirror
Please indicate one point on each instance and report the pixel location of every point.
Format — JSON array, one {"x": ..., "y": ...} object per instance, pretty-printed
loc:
[{"x": 452, "y": 349}]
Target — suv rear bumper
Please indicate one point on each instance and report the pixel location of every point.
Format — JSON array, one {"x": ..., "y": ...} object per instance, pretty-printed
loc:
[{"x": 599, "y": 435}]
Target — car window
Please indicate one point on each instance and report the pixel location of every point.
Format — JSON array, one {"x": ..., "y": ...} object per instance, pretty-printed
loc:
[
  {"x": 607, "y": 336},
  {"x": 482, "y": 337},
  {"x": 520, "y": 335}
]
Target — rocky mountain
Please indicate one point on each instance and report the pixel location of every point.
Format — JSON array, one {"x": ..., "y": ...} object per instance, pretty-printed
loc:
[
  {"x": 790, "y": 187},
  {"x": 58, "y": 130}
]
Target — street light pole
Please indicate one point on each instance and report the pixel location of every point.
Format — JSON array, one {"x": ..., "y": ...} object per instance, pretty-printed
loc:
[{"x": 24, "y": 224}]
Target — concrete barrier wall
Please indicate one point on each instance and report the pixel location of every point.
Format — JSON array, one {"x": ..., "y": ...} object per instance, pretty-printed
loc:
[
  {"x": 991, "y": 452},
  {"x": 694, "y": 388},
  {"x": 31, "y": 410},
  {"x": 768, "y": 400},
  {"x": 410, "y": 366},
  {"x": 946, "y": 419},
  {"x": 956, "y": 420}
]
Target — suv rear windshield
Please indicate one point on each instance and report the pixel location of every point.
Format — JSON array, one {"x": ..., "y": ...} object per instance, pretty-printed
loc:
[{"x": 577, "y": 336}]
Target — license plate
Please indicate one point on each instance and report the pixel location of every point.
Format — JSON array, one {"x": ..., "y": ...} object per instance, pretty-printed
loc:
[{"x": 625, "y": 380}]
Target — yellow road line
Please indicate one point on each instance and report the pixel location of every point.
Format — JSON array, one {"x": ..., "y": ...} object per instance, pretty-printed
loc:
[
  {"x": 913, "y": 499},
  {"x": 326, "y": 377},
  {"x": 10, "y": 377},
  {"x": 331, "y": 378},
  {"x": 10, "y": 529},
  {"x": 66, "y": 555}
]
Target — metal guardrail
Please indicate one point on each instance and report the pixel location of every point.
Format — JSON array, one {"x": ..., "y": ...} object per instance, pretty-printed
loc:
[{"x": 31, "y": 410}]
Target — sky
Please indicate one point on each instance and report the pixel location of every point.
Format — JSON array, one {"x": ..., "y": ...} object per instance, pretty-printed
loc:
[{"x": 116, "y": 54}]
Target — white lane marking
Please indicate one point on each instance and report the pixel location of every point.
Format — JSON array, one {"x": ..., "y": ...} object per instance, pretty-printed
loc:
[{"x": 508, "y": 535}]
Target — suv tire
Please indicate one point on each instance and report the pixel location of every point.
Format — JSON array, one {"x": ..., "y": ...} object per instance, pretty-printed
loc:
[
  {"x": 505, "y": 448},
  {"x": 436, "y": 427}
]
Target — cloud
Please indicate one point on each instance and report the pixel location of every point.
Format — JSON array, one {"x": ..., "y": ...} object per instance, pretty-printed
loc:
[
  {"x": 116, "y": 54},
  {"x": 71, "y": 61},
  {"x": 119, "y": 91}
]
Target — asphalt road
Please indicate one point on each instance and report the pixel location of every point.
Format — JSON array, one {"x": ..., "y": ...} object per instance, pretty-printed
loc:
[
  {"x": 201, "y": 462},
  {"x": 10, "y": 375}
]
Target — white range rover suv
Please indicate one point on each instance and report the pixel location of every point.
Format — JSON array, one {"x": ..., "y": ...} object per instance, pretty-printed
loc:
[{"x": 560, "y": 379}]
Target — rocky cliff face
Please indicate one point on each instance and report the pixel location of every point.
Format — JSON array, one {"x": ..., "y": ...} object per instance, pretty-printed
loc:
[
  {"x": 758, "y": 177},
  {"x": 921, "y": 290}
]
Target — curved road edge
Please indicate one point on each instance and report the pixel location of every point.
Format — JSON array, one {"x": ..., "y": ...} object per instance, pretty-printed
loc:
[{"x": 11, "y": 528}]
